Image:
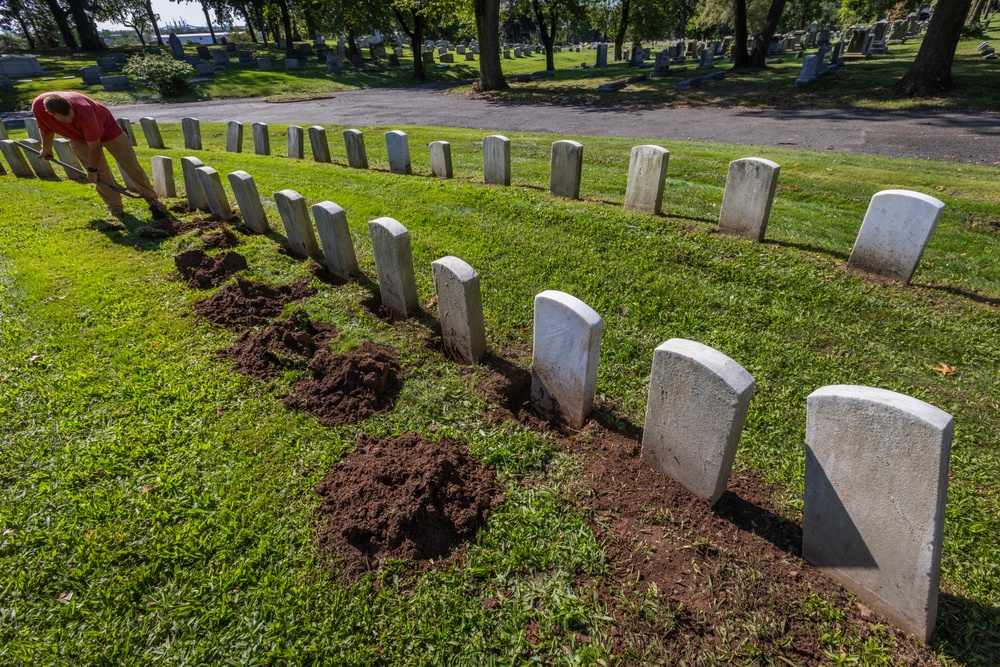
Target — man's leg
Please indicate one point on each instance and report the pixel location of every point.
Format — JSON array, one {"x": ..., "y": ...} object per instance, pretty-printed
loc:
[
  {"x": 112, "y": 199},
  {"x": 121, "y": 148}
]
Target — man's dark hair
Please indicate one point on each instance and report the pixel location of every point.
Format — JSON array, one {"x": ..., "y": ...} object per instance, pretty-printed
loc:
[{"x": 56, "y": 105}]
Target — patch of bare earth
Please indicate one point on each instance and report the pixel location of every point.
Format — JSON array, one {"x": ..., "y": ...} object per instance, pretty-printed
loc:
[
  {"x": 247, "y": 303},
  {"x": 284, "y": 344},
  {"x": 204, "y": 271}
]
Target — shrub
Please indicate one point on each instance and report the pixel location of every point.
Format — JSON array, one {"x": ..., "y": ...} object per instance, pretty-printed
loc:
[{"x": 170, "y": 77}]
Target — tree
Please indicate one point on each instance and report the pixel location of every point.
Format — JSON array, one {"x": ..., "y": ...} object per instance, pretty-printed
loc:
[
  {"x": 90, "y": 39},
  {"x": 129, "y": 13},
  {"x": 739, "y": 45},
  {"x": 62, "y": 22},
  {"x": 930, "y": 73},
  {"x": 763, "y": 41},
  {"x": 152, "y": 19},
  {"x": 548, "y": 15},
  {"x": 487, "y": 14}
]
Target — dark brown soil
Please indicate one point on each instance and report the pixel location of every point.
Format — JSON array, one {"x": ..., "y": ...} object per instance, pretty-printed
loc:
[
  {"x": 406, "y": 498},
  {"x": 220, "y": 240},
  {"x": 284, "y": 344},
  {"x": 348, "y": 388},
  {"x": 247, "y": 303},
  {"x": 203, "y": 271},
  {"x": 164, "y": 227}
]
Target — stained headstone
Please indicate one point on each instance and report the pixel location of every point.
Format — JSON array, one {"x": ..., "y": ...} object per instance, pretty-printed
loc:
[
  {"x": 661, "y": 66},
  {"x": 91, "y": 75},
  {"x": 440, "y": 159},
  {"x": 565, "y": 167},
  {"x": 394, "y": 266},
  {"x": 707, "y": 60},
  {"x": 203, "y": 52},
  {"x": 895, "y": 233},
  {"x": 647, "y": 173},
  {"x": 460, "y": 306},
  {"x": 115, "y": 83},
  {"x": 15, "y": 158},
  {"x": 248, "y": 199},
  {"x": 192, "y": 184},
  {"x": 220, "y": 57},
  {"x": 107, "y": 64},
  {"x": 64, "y": 151},
  {"x": 163, "y": 176},
  {"x": 295, "y": 218},
  {"x": 291, "y": 64},
  {"x": 191, "y": 128},
  {"x": 602, "y": 55},
  {"x": 215, "y": 194},
  {"x": 354, "y": 142},
  {"x": 42, "y": 168},
  {"x": 698, "y": 402},
  {"x": 20, "y": 66},
  {"x": 31, "y": 127},
  {"x": 334, "y": 63},
  {"x": 564, "y": 356},
  {"x": 318, "y": 143},
  {"x": 296, "y": 142},
  {"x": 205, "y": 69},
  {"x": 874, "y": 508},
  {"x": 746, "y": 204},
  {"x": 496, "y": 160},
  {"x": 151, "y": 130},
  {"x": 176, "y": 50},
  {"x": 264, "y": 64},
  {"x": 335, "y": 237},
  {"x": 244, "y": 57},
  {"x": 261, "y": 139},
  {"x": 234, "y": 137},
  {"x": 809, "y": 71},
  {"x": 398, "y": 148}
]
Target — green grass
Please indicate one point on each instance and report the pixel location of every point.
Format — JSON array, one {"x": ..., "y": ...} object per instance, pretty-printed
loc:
[{"x": 157, "y": 508}]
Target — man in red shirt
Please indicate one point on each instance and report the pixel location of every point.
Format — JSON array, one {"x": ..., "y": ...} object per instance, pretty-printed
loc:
[{"x": 91, "y": 128}]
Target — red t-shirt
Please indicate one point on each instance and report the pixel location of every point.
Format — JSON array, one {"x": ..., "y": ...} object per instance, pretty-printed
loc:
[{"x": 92, "y": 121}]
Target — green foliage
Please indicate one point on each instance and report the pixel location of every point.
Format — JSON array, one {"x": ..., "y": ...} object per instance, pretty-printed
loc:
[
  {"x": 171, "y": 78},
  {"x": 974, "y": 30}
]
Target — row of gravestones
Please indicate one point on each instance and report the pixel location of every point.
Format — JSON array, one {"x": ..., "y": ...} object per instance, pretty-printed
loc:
[{"x": 876, "y": 461}]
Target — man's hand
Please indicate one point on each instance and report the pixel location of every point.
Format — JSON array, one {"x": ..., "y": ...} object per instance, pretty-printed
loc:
[
  {"x": 45, "y": 154},
  {"x": 92, "y": 176}
]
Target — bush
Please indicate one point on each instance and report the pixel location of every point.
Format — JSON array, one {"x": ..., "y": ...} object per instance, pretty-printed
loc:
[{"x": 170, "y": 77}]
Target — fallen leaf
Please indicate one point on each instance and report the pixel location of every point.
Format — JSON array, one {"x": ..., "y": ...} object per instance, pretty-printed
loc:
[
  {"x": 866, "y": 613},
  {"x": 944, "y": 369}
]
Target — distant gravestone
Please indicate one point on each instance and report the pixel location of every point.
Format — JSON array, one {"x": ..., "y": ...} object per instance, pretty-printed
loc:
[
  {"x": 91, "y": 75},
  {"x": 809, "y": 72},
  {"x": 64, "y": 151},
  {"x": 205, "y": 69},
  {"x": 15, "y": 158},
  {"x": 119, "y": 57},
  {"x": 107, "y": 64},
  {"x": 17, "y": 67},
  {"x": 264, "y": 65},
  {"x": 661, "y": 66},
  {"x": 335, "y": 237},
  {"x": 394, "y": 266},
  {"x": 354, "y": 142},
  {"x": 151, "y": 130},
  {"x": 248, "y": 199},
  {"x": 295, "y": 218},
  {"x": 647, "y": 174},
  {"x": 113, "y": 84},
  {"x": 746, "y": 204},
  {"x": 894, "y": 234},
  {"x": 126, "y": 127},
  {"x": 215, "y": 194},
  {"x": 318, "y": 143},
  {"x": 261, "y": 139},
  {"x": 565, "y": 168},
  {"x": 42, "y": 168},
  {"x": 291, "y": 64},
  {"x": 176, "y": 50},
  {"x": 7, "y": 87},
  {"x": 398, "y": 148},
  {"x": 440, "y": 152},
  {"x": 31, "y": 127},
  {"x": 698, "y": 402},
  {"x": 334, "y": 63},
  {"x": 296, "y": 142},
  {"x": 192, "y": 184},
  {"x": 220, "y": 57},
  {"x": 707, "y": 60},
  {"x": 234, "y": 137},
  {"x": 191, "y": 128},
  {"x": 203, "y": 52},
  {"x": 564, "y": 357},
  {"x": 244, "y": 57},
  {"x": 874, "y": 508},
  {"x": 460, "y": 306},
  {"x": 163, "y": 176},
  {"x": 496, "y": 160}
]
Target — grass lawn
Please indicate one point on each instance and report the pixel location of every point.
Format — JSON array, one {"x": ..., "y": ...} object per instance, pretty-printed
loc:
[{"x": 156, "y": 507}]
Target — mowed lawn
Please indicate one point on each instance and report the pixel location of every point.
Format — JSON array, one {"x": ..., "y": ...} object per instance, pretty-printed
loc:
[{"x": 158, "y": 508}]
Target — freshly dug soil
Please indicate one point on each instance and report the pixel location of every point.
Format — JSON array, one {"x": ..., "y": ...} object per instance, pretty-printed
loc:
[
  {"x": 284, "y": 344},
  {"x": 203, "y": 271},
  {"x": 247, "y": 303},
  {"x": 407, "y": 498},
  {"x": 348, "y": 388},
  {"x": 220, "y": 240},
  {"x": 164, "y": 227}
]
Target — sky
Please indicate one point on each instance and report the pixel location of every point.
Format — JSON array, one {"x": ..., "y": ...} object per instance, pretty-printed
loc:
[{"x": 170, "y": 12}]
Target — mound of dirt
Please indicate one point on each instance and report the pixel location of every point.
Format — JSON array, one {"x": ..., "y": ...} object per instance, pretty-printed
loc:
[
  {"x": 408, "y": 498},
  {"x": 247, "y": 303},
  {"x": 348, "y": 388},
  {"x": 164, "y": 227},
  {"x": 203, "y": 271},
  {"x": 220, "y": 240},
  {"x": 284, "y": 344}
]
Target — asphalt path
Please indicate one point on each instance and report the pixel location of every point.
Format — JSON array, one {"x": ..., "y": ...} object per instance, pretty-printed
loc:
[{"x": 972, "y": 137}]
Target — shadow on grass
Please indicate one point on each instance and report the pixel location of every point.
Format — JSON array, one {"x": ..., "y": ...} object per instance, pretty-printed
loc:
[
  {"x": 127, "y": 231},
  {"x": 805, "y": 247},
  {"x": 965, "y": 294},
  {"x": 967, "y": 631}
]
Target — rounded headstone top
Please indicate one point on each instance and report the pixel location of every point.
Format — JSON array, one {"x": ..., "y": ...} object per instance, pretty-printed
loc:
[
  {"x": 459, "y": 267},
  {"x": 570, "y": 302},
  {"x": 855, "y": 393}
]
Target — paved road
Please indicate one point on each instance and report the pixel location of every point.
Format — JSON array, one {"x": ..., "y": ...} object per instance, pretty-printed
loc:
[{"x": 953, "y": 136}]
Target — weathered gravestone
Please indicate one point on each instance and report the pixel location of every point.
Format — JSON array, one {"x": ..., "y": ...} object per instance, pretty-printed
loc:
[
  {"x": 394, "y": 266},
  {"x": 564, "y": 356},
  {"x": 874, "y": 508},
  {"x": 335, "y": 237},
  {"x": 460, "y": 307},
  {"x": 115, "y": 83},
  {"x": 64, "y": 151},
  {"x": 440, "y": 159},
  {"x": 398, "y": 148},
  {"x": 17, "y": 67},
  {"x": 334, "y": 63},
  {"x": 234, "y": 137},
  {"x": 295, "y": 219},
  {"x": 661, "y": 66},
  {"x": 15, "y": 158},
  {"x": 31, "y": 127},
  {"x": 191, "y": 128},
  {"x": 3, "y": 131},
  {"x": 895, "y": 233},
  {"x": 162, "y": 169},
  {"x": 318, "y": 143},
  {"x": 354, "y": 142},
  {"x": 602, "y": 56},
  {"x": 126, "y": 125},
  {"x": 698, "y": 402},
  {"x": 43, "y": 168},
  {"x": 565, "y": 167},
  {"x": 151, "y": 130},
  {"x": 176, "y": 49},
  {"x": 244, "y": 57},
  {"x": 91, "y": 75},
  {"x": 215, "y": 194},
  {"x": 496, "y": 160},
  {"x": 220, "y": 57},
  {"x": 647, "y": 174},
  {"x": 746, "y": 204},
  {"x": 192, "y": 184},
  {"x": 264, "y": 65},
  {"x": 203, "y": 52},
  {"x": 248, "y": 199},
  {"x": 291, "y": 64},
  {"x": 107, "y": 64},
  {"x": 205, "y": 69},
  {"x": 7, "y": 87},
  {"x": 707, "y": 60},
  {"x": 261, "y": 139},
  {"x": 296, "y": 142}
]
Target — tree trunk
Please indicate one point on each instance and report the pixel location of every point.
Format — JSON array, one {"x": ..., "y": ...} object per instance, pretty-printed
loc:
[
  {"x": 26, "y": 31},
  {"x": 59, "y": 14},
  {"x": 930, "y": 73},
  {"x": 286, "y": 22},
  {"x": 90, "y": 39},
  {"x": 138, "y": 32},
  {"x": 246, "y": 19},
  {"x": 760, "y": 46},
  {"x": 739, "y": 45},
  {"x": 622, "y": 28},
  {"x": 208, "y": 19},
  {"x": 352, "y": 43},
  {"x": 975, "y": 15},
  {"x": 416, "y": 36},
  {"x": 548, "y": 31},
  {"x": 488, "y": 33},
  {"x": 152, "y": 19}
]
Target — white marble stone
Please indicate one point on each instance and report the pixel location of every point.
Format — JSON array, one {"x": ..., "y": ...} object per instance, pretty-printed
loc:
[
  {"x": 318, "y": 143},
  {"x": 894, "y": 234},
  {"x": 335, "y": 237},
  {"x": 697, "y": 405},
  {"x": 354, "y": 142},
  {"x": 126, "y": 125},
  {"x": 298, "y": 227},
  {"x": 746, "y": 204},
  {"x": 64, "y": 152},
  {"x": 162, "y": 169},
  {"x": 398, "y": 148},
  {"x": 192, "y": 184},
  {"x": 394, "y": 266},
  {"x": 647, "y": 173},
  {"x": 564, "y": 356},
  {"x": 875, "y": 488},
  {"x": 31, "y": 127},
  {"x": 42, "y": 168},
  {"x": 15, "y": 158},
  {"x": 215, "y": 194},
  {"x": 191, "y": 128},
  {"x": 261, "y": 139},
  {"x": 248, "y": 199},
  {"x": 234, "y": 137},
  {"x": 565, "y": 167},
  {"x": 460, "y": 308},
  {"x": 151, "y": 130},
  {"x": 440, "y": 152},
  {"x": 496, "y": 160},
  {"x": 296, "y": 142}
]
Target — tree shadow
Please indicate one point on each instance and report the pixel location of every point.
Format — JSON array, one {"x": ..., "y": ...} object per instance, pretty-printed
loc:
[{"x": 965, "y": 294}]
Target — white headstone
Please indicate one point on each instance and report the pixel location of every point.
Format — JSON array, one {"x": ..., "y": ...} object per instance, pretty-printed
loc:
[
  {"x": 192, "y": 184},
  {"x": 647, "y": 173},
  {"x": 191, "y": 127},
  {"x": 261, "y": 139},
  {"x": 64, "y": 151},
  {"x": 151, "y": 130},
  {"x": 31, "y": 127},
  {"x": 335, "y": 237},
  {"x": 234, "y": 137},
  {"x": 394, "y": 266},
  {"x": 319, "y": 144},
  {"x": 43, "y": 168},
  {"x": 440, "y": 159},
  {"x": 296, "y": 147},
  {"x": 163, "y": 176},
  {"x": 746, "y": 204},
  {"x": 398, "y": 147},
  {"x": 894, "y": 234},
  {"x": 15, "y": 158},
  {"x": 875, "y": 488},
  {"x": 354, "y": 142},
  {"x": 496, "y": 160},
  {"x": 126, "y": 125},
  {"x": 295, "y": 218},
  {"x": 460, "y": 306},
  {"x": 564, "y": 356},
  {"x": 564, "y": 169},
  {"x": 248, "y": 199},
  {"x": 215, "y": 194}
]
